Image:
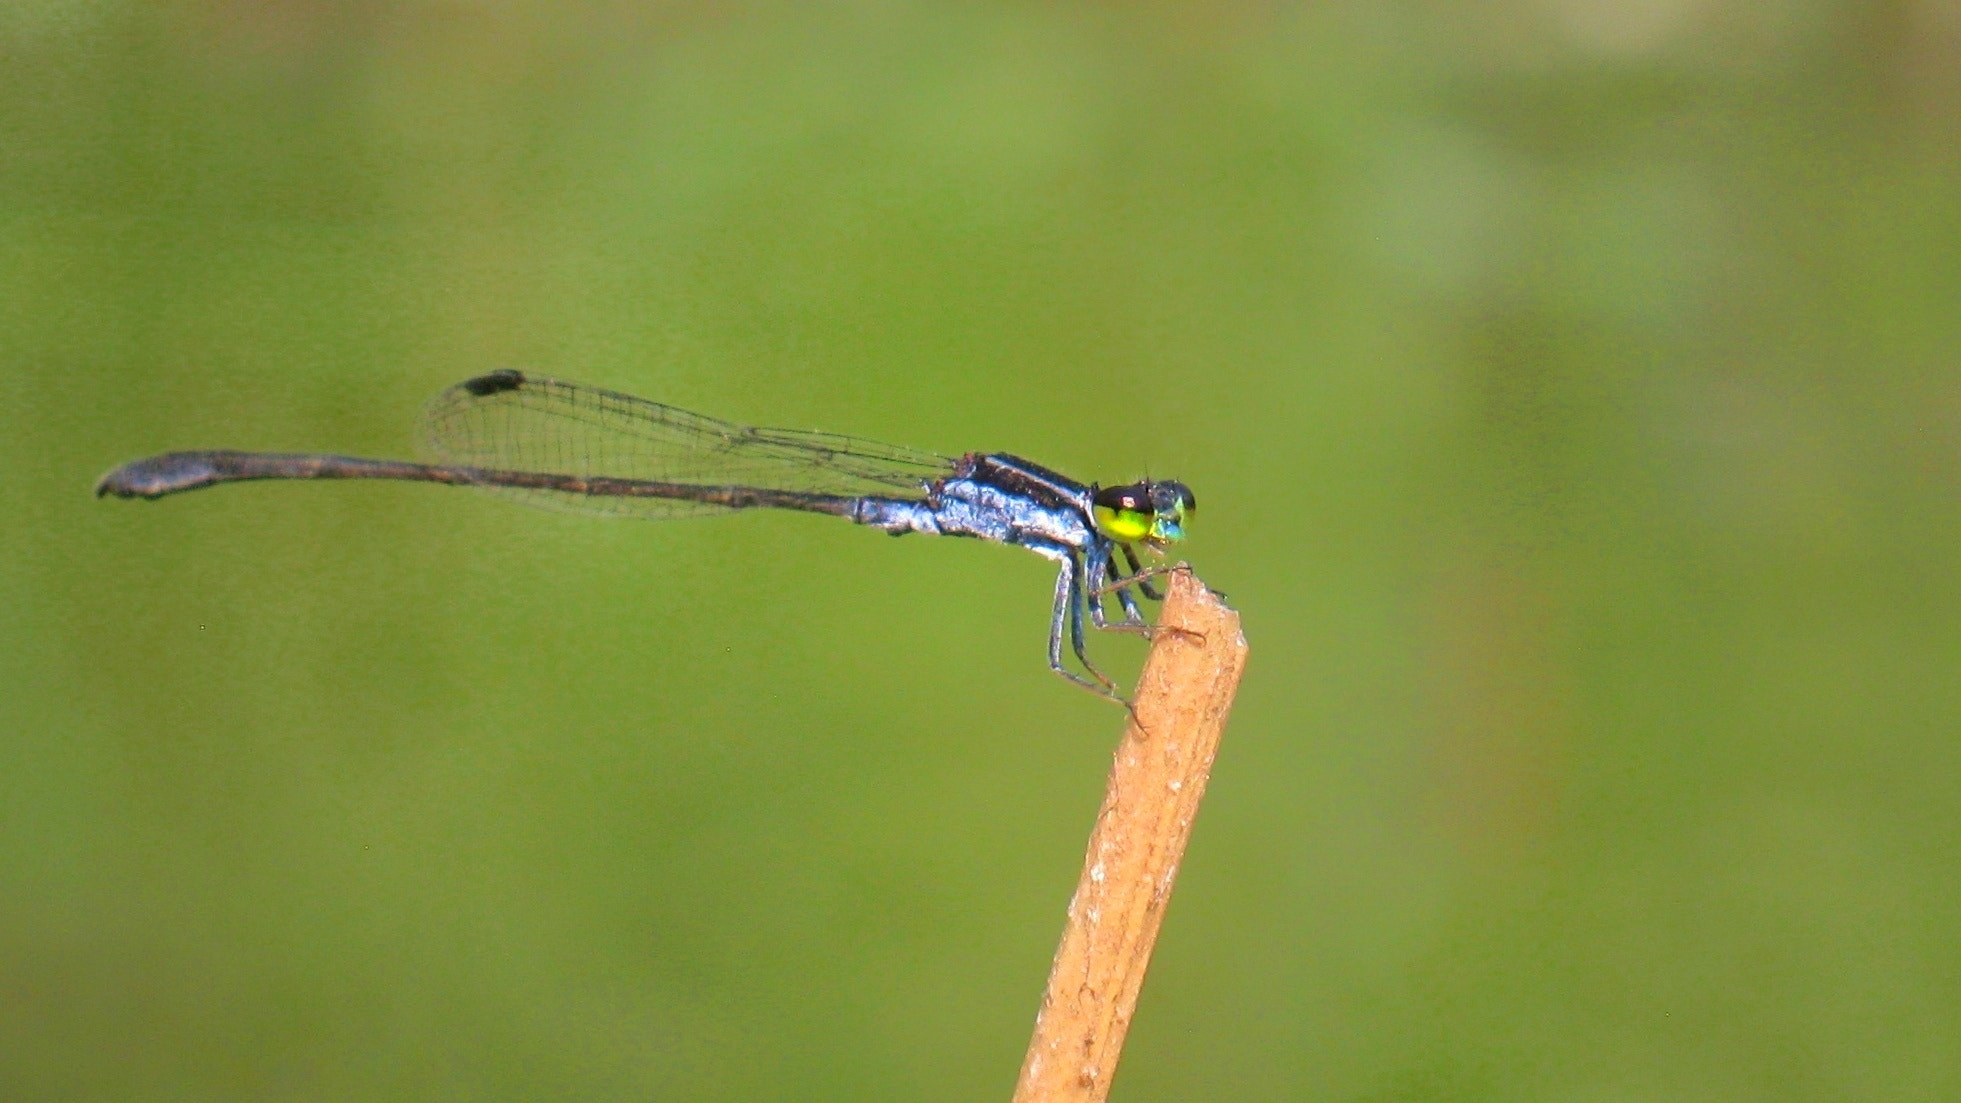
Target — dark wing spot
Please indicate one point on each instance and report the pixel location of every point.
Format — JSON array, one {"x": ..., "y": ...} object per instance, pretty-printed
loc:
[{"x": 503, "y": 379}]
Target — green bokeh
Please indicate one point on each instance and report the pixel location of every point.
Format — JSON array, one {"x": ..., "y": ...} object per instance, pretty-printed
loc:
[{"x": 1573, "y": 395}]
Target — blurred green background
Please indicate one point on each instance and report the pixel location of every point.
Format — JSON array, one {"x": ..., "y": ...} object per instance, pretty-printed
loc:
[{"x": 1570, "y": 389}]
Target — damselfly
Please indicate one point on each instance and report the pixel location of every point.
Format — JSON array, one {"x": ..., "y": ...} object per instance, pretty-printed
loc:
[{"x": 572, "y": 447}]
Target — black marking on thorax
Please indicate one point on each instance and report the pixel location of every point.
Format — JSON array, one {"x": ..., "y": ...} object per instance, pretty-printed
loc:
[{"x": 1024, "y": 479}]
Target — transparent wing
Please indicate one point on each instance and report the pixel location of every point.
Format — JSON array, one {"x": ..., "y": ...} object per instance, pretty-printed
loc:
[{"x": 514, "y": 422}]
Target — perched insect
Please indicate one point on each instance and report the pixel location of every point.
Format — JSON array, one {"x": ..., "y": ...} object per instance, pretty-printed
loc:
[{"x": 572, "y": 447}]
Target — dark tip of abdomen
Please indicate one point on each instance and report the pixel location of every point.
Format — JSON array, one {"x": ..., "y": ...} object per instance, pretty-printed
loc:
[
  {"x": 158, "y": 475},
  {"x": 503, "y": 379}
]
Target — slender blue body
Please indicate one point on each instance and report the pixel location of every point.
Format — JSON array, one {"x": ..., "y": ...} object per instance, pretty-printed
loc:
[
  {"x": 998, "y": 497},
  {"x": 567, "y": 446}
]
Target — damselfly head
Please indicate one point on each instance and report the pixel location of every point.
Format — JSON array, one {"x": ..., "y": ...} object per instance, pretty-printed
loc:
[{"x": 1152, "y": 513}]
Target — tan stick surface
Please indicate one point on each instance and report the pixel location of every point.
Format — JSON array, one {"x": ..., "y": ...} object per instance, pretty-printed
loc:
[{"x": 1183, "y": 696}]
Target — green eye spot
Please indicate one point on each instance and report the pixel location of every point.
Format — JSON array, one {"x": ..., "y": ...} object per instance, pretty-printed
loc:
[
  {"x": 1123, "y": 524},
  {"x": 1123, "y": 512},
  {"x": 1149, "y": 512}
]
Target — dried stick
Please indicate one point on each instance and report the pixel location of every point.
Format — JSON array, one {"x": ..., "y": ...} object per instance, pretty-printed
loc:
[{"x": 1183, "y": 697}]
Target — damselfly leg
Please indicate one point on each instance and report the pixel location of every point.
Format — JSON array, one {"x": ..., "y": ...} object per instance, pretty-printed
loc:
[
  {"x": 1066, "y": 619},
  {"x": 1138, "y": 574},
  {"x": 1107, "y": 579}
]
